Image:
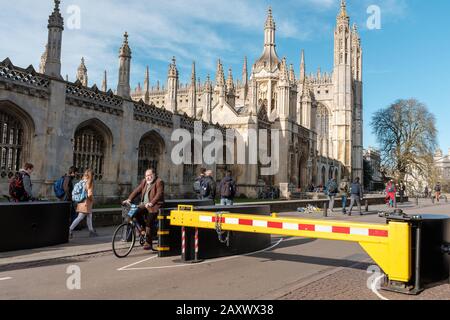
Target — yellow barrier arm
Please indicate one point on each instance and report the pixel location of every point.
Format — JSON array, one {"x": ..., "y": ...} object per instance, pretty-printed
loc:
[{"x": 389, "y": 245}]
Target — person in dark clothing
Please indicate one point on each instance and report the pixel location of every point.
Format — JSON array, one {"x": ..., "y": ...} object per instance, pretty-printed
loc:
[
  {"x": 208, "y": 187},
  {"x": 68, "y": 188},
  {"x": 402, "y": 191},
  {"x": 198, "y": 183},
  {"x": 356, "y": 196},
  {"x": 227, "y": 189}
]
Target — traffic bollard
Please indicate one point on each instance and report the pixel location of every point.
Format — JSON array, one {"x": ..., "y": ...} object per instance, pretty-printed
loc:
[
  {"x": 325, "y": 210},
  {"x": 367, "y": 205},
  {"x": 417, "y": 201}
]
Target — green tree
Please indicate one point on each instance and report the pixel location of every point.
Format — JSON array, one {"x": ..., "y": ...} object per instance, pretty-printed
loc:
[{"x": 407, "y": 134}]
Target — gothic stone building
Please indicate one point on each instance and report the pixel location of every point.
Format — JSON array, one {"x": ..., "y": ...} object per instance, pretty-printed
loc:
[{"x": 54, "y": 123}]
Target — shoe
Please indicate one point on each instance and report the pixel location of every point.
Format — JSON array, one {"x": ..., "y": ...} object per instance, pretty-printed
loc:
[
  {"x": 350, "y": 214},
  {"x": 148, "y": 247},
  {"x": 361, "y": 214},
  {"x": 93, "y": 234}
]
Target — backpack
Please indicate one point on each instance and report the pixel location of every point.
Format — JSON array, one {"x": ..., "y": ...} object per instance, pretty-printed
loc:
[
  {"x": 17, "y": 189},
  {"x": 227, "y": 189},
  {"x": 332, "y": 188},
  {"x": 58, "y": 188},
  {"x": 79, "y": 193},
  {"x": 198, "y": 185},
  {"x": 205, "y": 187}
]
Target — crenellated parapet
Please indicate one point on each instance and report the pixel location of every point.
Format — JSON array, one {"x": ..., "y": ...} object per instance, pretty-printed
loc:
[
  {"x": 93, "y": 98},
  {"x": 25, "y": 81},
  {"x": 152, "y": 114}
]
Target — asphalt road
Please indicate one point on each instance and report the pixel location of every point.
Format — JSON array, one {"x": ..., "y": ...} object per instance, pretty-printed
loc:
[{"x": 290, "y": 266}]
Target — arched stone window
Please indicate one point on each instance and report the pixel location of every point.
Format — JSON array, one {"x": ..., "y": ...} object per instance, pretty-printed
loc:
[
  {"x": 16, "y": 132},
  {"x": 323, "y": 130},
  {"x": 11, "y": 144},
  {"x": 151, "y": 150},
  {"x": 90, "y": 147}
]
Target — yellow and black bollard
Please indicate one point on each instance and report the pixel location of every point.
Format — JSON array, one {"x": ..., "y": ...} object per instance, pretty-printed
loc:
[{"x": 163, "y": 247}]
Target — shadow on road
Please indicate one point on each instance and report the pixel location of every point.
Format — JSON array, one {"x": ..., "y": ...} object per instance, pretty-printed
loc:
[{"x": 330, "y": 262}]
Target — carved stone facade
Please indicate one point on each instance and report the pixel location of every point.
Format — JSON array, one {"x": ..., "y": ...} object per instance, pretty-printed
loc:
[{"x": 55, "y": 123}]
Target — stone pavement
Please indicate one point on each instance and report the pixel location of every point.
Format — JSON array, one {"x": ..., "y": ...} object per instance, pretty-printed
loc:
[{"x": 81, "y": 244}]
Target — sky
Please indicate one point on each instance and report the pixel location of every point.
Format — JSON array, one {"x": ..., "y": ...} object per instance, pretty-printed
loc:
[{"x": 407, "y": 57}]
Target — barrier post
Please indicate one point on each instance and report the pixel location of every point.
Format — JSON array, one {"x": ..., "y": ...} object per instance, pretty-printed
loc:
[
  {"x": 325, "y": 210},
  {"x": 183, "y": 244},
  {"x": 367, "y": 205},
  {"x": 196, "y": 259},
  {"x": 417, "y": 201}
]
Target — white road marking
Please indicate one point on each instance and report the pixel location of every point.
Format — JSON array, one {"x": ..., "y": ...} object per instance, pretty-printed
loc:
[
  {"x": 7, "y": 278},
  {"x": 133, "y": 264},
  {"x": 374, "y": 288},
  {"x": 190, "y": 264}
]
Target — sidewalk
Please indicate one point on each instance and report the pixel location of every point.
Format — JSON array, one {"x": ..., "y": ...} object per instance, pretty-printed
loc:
[{"x": 80, "y": 245}]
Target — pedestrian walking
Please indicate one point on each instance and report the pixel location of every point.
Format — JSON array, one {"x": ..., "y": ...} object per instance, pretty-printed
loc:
[
  {"x": 227, "y": 189},
  {"x": 83, "y": 196},
  {"x": 63, "y": 190},
  {"x": 197, "y": 186},
  {"x": 20, "y": 186},
  {"x": 208, "y": 186},
  {"x": 427, "y": 192},
  {"x": 331, "y": 190},
  {"x": 391, "y": 192},
  {"x": 356, "y": 192},
  {"x": 437, "y": 190},
  {"x": 402, "y": 191},
  {"x": 344, "y": 189}
]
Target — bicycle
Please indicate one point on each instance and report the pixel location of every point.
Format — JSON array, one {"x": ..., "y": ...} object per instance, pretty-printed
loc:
[{"x": 124, "y": 237}]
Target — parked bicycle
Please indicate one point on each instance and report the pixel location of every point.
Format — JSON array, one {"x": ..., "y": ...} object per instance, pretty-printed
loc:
[{"x": 124, "y": 237}]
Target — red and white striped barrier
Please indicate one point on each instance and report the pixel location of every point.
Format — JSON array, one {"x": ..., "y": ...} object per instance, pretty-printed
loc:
[{"x": 301, "y": 227}]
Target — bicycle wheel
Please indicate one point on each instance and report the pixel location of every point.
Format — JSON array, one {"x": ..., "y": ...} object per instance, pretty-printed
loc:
[{"x": 123, "y": 240}]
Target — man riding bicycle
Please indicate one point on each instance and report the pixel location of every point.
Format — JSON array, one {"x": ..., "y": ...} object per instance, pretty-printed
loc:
[{"x": 151, "y": 190}]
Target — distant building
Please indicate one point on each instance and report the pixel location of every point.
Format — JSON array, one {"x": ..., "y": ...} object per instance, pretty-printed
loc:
[
  {"x": 443, "y": 166},
  {"x": 373, "y": 159}
]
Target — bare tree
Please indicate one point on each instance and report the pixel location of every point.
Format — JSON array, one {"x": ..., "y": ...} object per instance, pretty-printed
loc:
[{"x": 407, "y": 134}]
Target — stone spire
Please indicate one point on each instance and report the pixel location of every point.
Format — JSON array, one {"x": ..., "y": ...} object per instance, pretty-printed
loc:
[
  {"x": 269, "y": 59},
  {"x": 54, "y": 44},
  {"x": 343, "y": 12},
  {"x": 123, "y": 88},
  {"x": 291, "y": 74},
  {"x": 193, "y": 93},
  {"x": 245, "y": 73},
  {"x": 220, "y": 89},
  {"x": 208, "y": 96},
  {"x": 105, "y": 82},
  {"x": 172, "y": 87},
  {"x": 284, "y": 74},
  {"x": 43, "y": 60},
  {"x": 302, "y": 68},
  {"x": 231, "y": 90},
  {"x": 82, "y": 75},
  {"x": 147, "y": 86}
]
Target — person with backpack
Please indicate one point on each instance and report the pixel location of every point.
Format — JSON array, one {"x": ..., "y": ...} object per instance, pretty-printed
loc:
[
  {"x": 356, "y": 192},
  {"x": 344, "y": 188},
  {"x": 20, "y": 187},
  {"x": 83, "y": 196},
  {"x": 151, "y": 191},
  {"x": 198, "y": 183},
  {"x": 208, "y": 186},
  {"x": 391, "y": 192},
  {"x": 227, "y": 189},
  {"x": 63, "y": 188},
  {"x": 437, "y": 190},
  {"x": 331, "y": 189}
]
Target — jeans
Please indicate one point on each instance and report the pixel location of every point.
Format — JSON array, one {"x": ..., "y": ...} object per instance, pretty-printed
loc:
[
  {"x": 344, "y": 203},
  {"x": 331, "y": 205},
  {"x": 226, "y": 202},
  {"x": 355, "y": 198}
]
